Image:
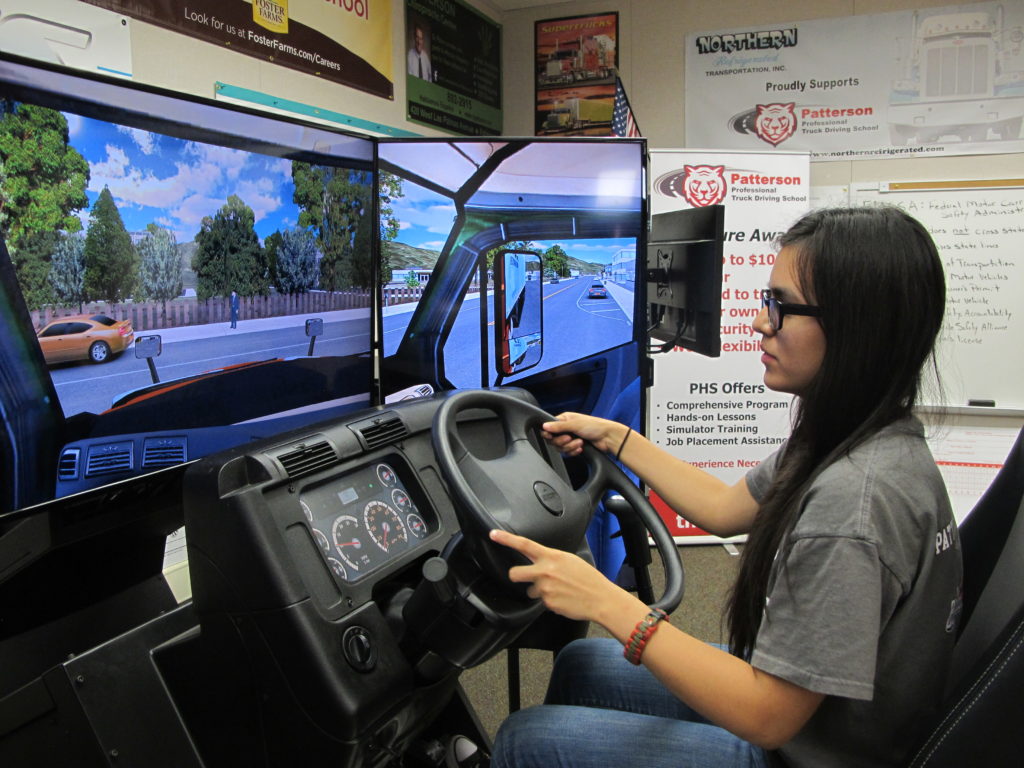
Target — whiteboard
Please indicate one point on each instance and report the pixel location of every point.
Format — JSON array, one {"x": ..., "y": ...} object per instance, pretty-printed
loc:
[{"x": 978, "y": 227}]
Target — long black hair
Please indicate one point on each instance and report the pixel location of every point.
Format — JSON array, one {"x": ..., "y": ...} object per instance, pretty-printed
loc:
[{"x": 877, "y": 277}]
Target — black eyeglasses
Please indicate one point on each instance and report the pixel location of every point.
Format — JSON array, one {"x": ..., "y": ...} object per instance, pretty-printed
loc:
[{"x": 779, "y": 309}]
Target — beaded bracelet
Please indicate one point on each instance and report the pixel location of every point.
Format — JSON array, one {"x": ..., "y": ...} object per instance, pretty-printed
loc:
[{"x": 641, "y": 634}]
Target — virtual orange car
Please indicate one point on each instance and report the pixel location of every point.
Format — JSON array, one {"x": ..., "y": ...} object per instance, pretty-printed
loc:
[{"x": 85, "y": 337}]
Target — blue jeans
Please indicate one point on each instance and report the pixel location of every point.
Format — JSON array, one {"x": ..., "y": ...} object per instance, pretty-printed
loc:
[{"x": 603, "y": 712}]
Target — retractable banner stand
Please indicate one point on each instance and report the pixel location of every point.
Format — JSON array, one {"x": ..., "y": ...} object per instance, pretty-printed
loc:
[{"x": 716, "y": 413}]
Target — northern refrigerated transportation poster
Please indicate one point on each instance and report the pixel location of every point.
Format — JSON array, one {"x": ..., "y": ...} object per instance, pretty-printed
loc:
[
  {"x": 716, "y": 413},
  {"x": 934, "y": 81}
]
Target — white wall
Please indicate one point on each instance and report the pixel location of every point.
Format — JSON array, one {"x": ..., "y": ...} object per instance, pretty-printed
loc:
[{"x": 652, "y": 37}]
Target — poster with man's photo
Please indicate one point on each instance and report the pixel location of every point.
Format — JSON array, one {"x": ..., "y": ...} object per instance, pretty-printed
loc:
[
  {"x": 453, "y": 68},
  {"x": 575, "y": 64}
]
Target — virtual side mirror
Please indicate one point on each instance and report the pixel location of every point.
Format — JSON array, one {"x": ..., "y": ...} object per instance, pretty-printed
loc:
[
  {"x": 146, "y": 348},
  {"x": 518, "y": 313},
  {"x": 314, "y": 328}
]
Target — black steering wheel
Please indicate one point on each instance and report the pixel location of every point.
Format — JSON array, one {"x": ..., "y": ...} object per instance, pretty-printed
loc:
[{"x": 527, "y": 491}]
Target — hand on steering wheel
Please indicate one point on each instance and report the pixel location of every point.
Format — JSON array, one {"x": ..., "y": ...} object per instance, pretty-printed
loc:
[{"x": 527, "y": 491}]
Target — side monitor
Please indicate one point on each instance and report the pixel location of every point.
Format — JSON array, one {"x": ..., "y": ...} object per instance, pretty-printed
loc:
[{"x": 684, "y": 279}]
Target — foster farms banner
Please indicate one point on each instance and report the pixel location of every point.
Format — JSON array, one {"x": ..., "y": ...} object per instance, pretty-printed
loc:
[
  {"x": 716, "y": 413},
  {"x": 345, "y": 41},
  {"x": 928, "y": 82}
]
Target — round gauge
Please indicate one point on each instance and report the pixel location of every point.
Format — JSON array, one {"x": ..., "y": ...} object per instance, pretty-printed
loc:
[
  {"x": 347, "y": 541},
  {"x": 307, "y": 511},
  {"x": 337, "y": 568},
  {"x": 384, "y": 525},
  {"x": 321, "y": 539},
  {"x": 401, "y": 500},
  {"x": 416, "y": 526},
  {"x": 387, "y": 475}
]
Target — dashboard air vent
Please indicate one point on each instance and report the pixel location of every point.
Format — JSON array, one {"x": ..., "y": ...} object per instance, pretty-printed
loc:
[
  {"x": 110, "y": 459},
  {"x": 67, "y": 466},
  {"x": 381, "y": 431},
  {"x": 308, "y": 458},
  {"x": 163, "y": 451}
]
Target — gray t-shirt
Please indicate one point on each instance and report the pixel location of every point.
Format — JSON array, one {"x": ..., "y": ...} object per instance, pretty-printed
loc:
[{"x": 865, "y": 607}]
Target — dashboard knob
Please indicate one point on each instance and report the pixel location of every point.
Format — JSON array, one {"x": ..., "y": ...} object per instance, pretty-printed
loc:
[
  {"x": 359, "y": 649},
  {"x": 435, "y": 571}
]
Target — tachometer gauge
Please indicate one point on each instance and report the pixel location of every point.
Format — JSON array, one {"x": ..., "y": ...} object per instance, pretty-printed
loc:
[
  {"x": 384, "y": 525},
  {"x": 347, "y": 532},
  {"x": 337, "y": 568},
  {"x": 416, "y": 526}
]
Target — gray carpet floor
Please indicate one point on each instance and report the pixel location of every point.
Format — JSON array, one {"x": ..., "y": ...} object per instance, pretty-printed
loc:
[{"x": 710, "y": 571}]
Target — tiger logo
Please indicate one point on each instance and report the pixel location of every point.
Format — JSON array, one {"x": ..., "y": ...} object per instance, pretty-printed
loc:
[
  {"x": 703, "y": 185},
  {"x": 775, "y": 122}
]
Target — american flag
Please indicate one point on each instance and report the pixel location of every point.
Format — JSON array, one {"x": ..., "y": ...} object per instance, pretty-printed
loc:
[{"x": 623, "y": 123}]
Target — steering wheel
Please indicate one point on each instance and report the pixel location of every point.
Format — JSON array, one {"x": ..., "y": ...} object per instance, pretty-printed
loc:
[{"x": 527, "y": 491}]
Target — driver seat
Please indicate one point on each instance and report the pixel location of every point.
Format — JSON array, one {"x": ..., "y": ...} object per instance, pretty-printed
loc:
[{"x": 982, "y": 718}]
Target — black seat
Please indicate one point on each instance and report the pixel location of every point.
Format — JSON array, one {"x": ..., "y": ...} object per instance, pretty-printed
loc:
[{"x": 982, "y": 722}]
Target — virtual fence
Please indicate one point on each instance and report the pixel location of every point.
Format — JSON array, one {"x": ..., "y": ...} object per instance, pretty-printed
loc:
[{"x": 183, "y": 312}]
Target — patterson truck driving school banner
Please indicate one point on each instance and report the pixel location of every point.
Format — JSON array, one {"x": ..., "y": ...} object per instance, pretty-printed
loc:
[
  {"x": 928, "y": 82},
  {"x": 716, "y": 413},
  {"x": 345, "y": 41}
]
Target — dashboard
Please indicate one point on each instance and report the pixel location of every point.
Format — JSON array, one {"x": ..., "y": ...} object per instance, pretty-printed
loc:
[
  {"x": 365, "y": 519},
  {"x": 336, "y": 599}
]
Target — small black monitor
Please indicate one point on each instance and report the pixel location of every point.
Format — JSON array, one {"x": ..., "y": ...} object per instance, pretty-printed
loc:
[{"x": 684, "y": 279}]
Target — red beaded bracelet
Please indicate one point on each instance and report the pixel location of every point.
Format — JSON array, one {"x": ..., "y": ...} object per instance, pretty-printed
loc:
[{"x": 641, "y": 634}]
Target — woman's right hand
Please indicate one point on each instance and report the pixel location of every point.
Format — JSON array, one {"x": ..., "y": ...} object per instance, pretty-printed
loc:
[{"x": 569, "y": 430}]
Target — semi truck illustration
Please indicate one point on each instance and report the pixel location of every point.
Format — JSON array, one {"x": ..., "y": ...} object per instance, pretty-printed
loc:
[
  {"x": 584, "y": 58},
  {"x": 573, "y": 114},
  {"x": 963, "y": 76}
]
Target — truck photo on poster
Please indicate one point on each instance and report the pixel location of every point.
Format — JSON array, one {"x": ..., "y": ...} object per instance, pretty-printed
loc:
[{"x": 575, "y": 62}]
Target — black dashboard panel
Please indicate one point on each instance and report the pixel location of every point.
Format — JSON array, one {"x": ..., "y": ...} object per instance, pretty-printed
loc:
[
  {"x": 335, "y": 603},
  {"x": 365, "y": 518},
  {"x": 313, "y": 558}
]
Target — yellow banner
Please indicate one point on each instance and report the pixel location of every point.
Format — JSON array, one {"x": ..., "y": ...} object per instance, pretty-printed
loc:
[{"x": 345, "y": 41}]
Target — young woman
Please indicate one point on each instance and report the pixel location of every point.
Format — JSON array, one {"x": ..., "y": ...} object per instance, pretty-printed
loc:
[{"x": 845, "y": 609}]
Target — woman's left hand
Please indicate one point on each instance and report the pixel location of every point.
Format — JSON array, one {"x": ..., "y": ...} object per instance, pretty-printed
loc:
[{"x": 565, "y": 583}]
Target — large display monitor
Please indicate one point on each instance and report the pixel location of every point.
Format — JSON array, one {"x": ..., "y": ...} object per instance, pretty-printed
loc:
[
  {"x": 178, "y": 276},
  {"x": 513, "y": 262}
]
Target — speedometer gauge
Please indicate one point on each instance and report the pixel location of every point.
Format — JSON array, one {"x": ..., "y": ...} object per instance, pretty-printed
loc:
[{"x": 384, "y": 525}]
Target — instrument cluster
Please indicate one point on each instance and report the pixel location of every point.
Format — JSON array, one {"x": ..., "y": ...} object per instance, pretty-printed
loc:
[{"x": 363, "y": 520}]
